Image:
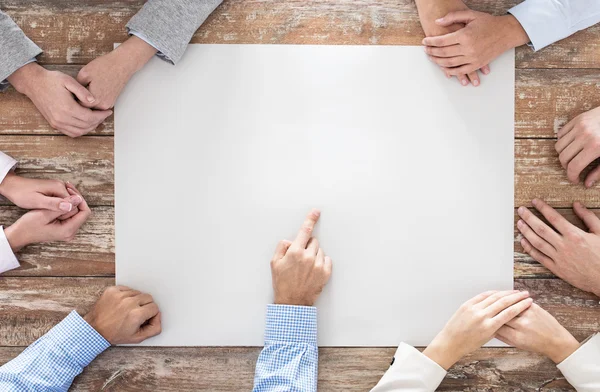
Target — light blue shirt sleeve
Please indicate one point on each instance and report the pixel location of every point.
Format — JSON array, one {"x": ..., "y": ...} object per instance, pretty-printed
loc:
[
  {"x": 289, "y": 360},
  {"x": 52, "y": 362},
  {"x": 548, "y": 21}
]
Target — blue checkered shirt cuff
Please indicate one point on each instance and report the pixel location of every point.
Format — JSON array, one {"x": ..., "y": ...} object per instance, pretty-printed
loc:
[
  {"x": 78, "y": 339},
  {"x": 289, "y": 323}
]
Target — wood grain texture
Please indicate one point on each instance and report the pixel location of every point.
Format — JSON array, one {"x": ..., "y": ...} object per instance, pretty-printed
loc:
[
  {"x": 91, "y": 253},
  {"x": 31, "y": 306},
  {"x": 88, "y": 163},
  {"x": 545, "y": 100},
  {"x": 40, "y": 303},
  {"x": 538, "y": 174},
  {"x": 75, "y": 33},
  {"x": 126, "y": 369},
  {"x": 58, "y": 277}
]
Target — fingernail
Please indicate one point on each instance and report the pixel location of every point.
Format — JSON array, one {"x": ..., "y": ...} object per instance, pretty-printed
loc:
[
  {"x": 521, "y": 210},
  {"x": 316, "y": 212},
  {"x": 591, "y": 184},
  {"x": 91, "y": 99},
  {"x": 439, "y": 20},
  {"x": 75, "y": 199},
  {"x": 526, "y": 292},
  {"x": 534, "y": 202},
  {"x": 520, "y": 224},
  {"x": 464, "y": 82},
  {"x": 476, "y": 83},
  {"x": 64, "y": 206}
]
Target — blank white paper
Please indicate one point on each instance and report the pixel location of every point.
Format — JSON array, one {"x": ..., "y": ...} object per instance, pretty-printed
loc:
[{"x": 220, "y": 157}]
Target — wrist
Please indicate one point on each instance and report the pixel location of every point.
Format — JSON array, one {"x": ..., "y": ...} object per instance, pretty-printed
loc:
[
  {"x": 136, "y": 53},
  {"x": 286, "y": 300},
  {"x": 442, "y": 354},
  {"x": 7, "y": 183},
  {"x": 562, "y": 348},
  {"x": 25, "y": 77},
  {"x": 15, "y": 238},
  {"x": 515, "y": 34}
]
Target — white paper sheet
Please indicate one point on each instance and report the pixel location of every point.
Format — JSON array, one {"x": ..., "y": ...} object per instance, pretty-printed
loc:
[{"x": 221, "y": 156}]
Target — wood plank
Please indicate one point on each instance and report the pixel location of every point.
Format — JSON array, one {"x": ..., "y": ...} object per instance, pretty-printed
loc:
[
  {"x": 87, "y": 162},
  {"x": 545, "y": 100},
  {"x": 126, "y": 369},
  {"x": 538, "y": 174},
  {"x": 77, "y": 33},
  {"x": 31, "y": 306},
  {"x": 91, "y": 253}
]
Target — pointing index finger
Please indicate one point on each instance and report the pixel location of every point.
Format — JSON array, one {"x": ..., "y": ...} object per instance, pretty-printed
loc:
[{"x": 307, "y": 228}]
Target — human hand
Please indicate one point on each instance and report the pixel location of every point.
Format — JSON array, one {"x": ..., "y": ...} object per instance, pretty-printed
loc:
[
  {"x": 569, "y": 252},
  {"x": 300, "y": 269},
  {"x": 578, "y": 145},
  {"x": 45, "y": 226},
  {"x": 475, "y": 323},
  {"x": 107, "y": 75},
  {"x": 429, "y": 12},
  {"x": 537, "y": 331},
  {"x": 124, "y": 316},
  {"x": 483, "y": 38},
  {"x": 52, "y": 93},
  {"x": 38, "y": 194}
]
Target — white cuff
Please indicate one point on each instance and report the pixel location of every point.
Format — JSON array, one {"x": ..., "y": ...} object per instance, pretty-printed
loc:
[
  {"x": 411, "y": 371},
  {"x": 547, "y": 21},
  {"x": 6, "y": 164},
  {"x": 544, "y": 21},
  {"x": 8, "y": 260},
  {"x": 582, "y": 368}
]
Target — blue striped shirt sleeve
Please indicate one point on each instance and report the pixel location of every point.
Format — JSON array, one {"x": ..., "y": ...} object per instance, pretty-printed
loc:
[
  {"x": 289, "y": 360},
  {"x": 52, "y": 362}
]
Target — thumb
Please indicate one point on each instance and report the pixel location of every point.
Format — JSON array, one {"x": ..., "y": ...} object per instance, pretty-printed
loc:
[
  {"x": 282, "y": 248},
  {"x": 55, "y": 204},
  {"x": 85, "y": 97},
  {"x": 592, "y": 177},
  {"x": 587, "y": 216},
  {"x": 49, "y": 216},
  {"x": 451, "y": 18}
]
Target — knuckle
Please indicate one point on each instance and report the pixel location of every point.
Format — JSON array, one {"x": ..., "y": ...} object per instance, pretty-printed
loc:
[{"x": 542, "y": 230}]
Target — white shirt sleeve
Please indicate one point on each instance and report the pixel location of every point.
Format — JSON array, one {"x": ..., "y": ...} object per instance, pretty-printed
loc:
[
  {"x": 548, "y": 21},
  {"x": 6, "y": 165},
  {"x": 411, "y": 371},
  {"x": 582, "y": 368},
  {"x": 8, "y": 260}
]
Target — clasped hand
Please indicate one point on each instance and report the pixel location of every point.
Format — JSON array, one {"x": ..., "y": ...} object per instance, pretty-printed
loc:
[{"x": 57, "y": 210}]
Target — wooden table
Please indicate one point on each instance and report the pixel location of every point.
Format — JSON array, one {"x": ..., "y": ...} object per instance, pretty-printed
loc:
[{"x": 552, "y": 86}]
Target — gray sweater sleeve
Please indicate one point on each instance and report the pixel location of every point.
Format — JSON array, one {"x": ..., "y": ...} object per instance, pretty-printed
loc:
[
  {"x": 16, "y": 49},
  {"x": 168, "y": 25}
]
